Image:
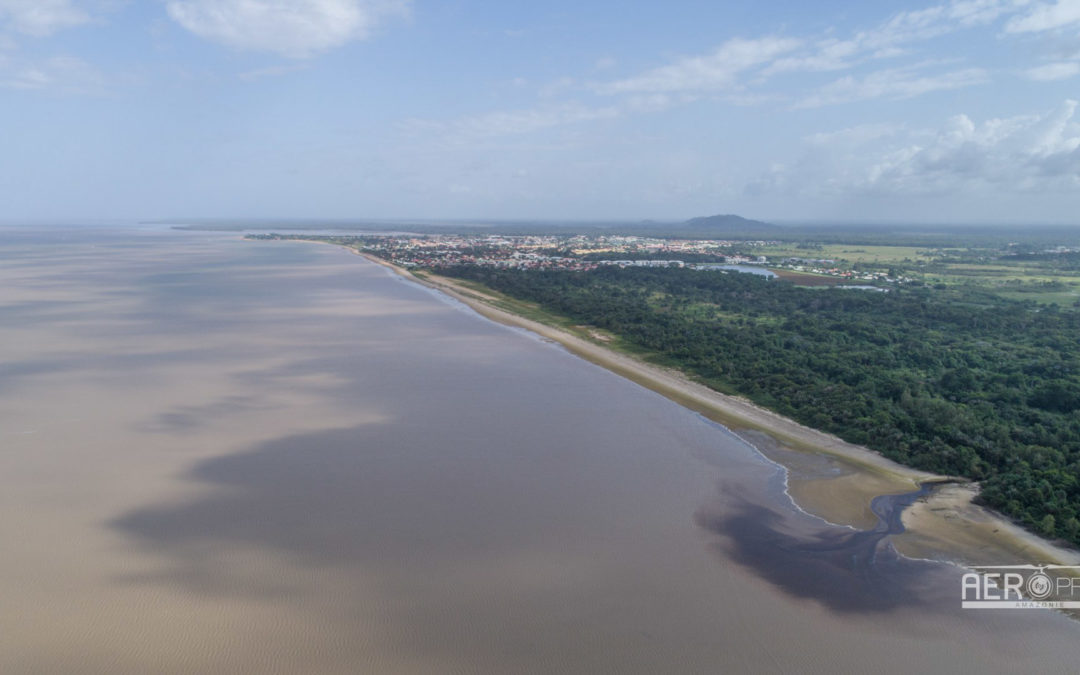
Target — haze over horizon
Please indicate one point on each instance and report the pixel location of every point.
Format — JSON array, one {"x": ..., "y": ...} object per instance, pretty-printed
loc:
[{"x": 956, "y": 112}]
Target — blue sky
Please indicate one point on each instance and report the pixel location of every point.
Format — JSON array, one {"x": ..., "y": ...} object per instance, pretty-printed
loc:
[{"x": 962, "y": 111}]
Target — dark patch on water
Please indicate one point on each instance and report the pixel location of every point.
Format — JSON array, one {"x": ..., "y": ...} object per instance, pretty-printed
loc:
[
  {"x": 845, "y": 570},
  {"x": 188, "y": 418}
]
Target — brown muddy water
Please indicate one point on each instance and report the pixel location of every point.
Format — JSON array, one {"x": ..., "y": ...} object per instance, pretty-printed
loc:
[{"x": 275, "y": 457}]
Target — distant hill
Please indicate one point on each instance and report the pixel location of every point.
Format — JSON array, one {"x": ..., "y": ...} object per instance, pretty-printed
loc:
[
  {"x": 717, "y": 227},
  {"x": 727, "y": 226},
  {"x": 731, "y": 225}
]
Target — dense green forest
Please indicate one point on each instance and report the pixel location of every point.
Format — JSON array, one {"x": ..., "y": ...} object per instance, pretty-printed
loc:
[{"x": 958, "y": 382}]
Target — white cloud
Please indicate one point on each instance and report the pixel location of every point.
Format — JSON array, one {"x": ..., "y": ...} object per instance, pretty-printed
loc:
[
  {"x": 606, "y": 62},
  {"x": 909, "y": 26},
  {"x": 888, "y": 40},
  {"x": 974, "y": 12},
  {"x": 828, "y": 54},
  {"x": 945, "y": 18},
  {"x": 1016, "y": 155},
  {"x": 556, "y": 88},
  {"x": 924, "y": 24},
  {"x": 527, "y": 121},
  {"x": 1027, "y": 154},
  {"x": 712, "y": 72},
  {"x": 853, "y": 136},
  {"x": 1053, "y": 71},
  {"x": 1045, "y": 17},
  {"x": 272, "y": 71},
  {"x": 746, "y": 99},
  {"x": 41, "y": 17},
  {"x": 293, "y": 28},
  {"x": 513, "y": 122},
  {"x": 894, "y": 83},
  {"x": 740, "y": 65},
  {"x": 64, "y": 74}
]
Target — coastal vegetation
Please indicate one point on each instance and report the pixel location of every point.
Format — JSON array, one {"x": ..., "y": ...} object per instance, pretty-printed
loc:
[{"x": 950, "y": 378}]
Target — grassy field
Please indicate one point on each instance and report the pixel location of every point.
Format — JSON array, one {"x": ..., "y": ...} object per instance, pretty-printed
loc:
[
  {"x": 1021, "y": 280},
  {"x": 996, "y": 272},
  {"x": 852, "y": 253},
  {"x": 1060, "y": 298}
]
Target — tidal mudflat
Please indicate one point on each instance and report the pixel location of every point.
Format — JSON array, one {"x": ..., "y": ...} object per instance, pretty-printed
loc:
[{"x": 226, "y": 456}]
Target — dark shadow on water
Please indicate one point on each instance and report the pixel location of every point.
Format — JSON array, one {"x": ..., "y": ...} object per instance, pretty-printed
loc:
[
  {"x": 843, "y": 569},
  {"x": 190, "y": 418},
  {"x": 380, "y": 496},
  {"x": 375, "y": 496}
]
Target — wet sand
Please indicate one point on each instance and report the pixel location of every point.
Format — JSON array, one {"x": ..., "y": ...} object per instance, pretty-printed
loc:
[{"x": 225, "y": 457}]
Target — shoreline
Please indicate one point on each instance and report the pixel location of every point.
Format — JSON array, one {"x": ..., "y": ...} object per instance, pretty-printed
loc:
[{"x": 826, "y": 476}]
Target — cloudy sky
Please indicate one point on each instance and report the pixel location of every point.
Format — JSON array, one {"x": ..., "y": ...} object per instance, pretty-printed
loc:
[{"x": 780, "y": 109}]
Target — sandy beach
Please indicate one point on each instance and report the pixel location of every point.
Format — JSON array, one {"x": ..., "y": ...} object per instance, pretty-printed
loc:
[{"x": 827, "y": 476}]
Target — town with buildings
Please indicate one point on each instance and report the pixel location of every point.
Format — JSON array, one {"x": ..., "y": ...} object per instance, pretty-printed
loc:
[{"x": 584, "y": 252}]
